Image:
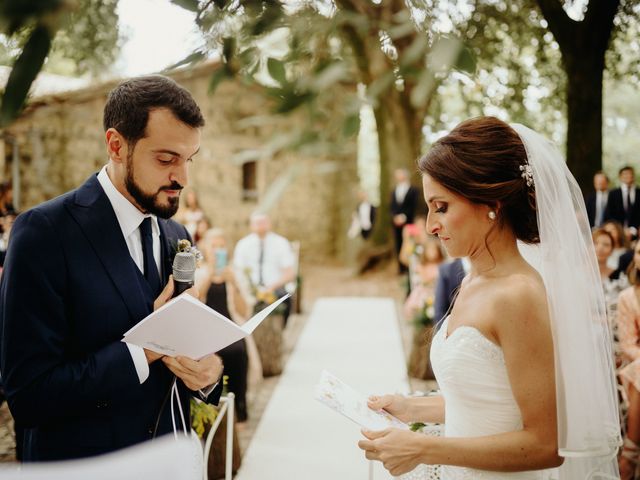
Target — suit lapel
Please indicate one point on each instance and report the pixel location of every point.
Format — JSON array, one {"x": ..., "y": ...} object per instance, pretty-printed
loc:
[
  {"x": 167, "y": 250},
  {"x": 92, "y": 210}
]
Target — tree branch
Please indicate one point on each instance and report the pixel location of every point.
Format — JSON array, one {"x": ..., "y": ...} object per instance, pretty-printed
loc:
[
  {"x": 598, "y": 21},
  {"x": 560, "y": 24}
]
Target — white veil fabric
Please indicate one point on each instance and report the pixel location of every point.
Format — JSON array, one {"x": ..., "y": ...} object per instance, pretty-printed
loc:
[{"x": 588, "y": 420}]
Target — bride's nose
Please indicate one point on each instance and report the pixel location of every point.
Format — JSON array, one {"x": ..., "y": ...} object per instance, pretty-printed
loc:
[{"x": 432, "y": 226}]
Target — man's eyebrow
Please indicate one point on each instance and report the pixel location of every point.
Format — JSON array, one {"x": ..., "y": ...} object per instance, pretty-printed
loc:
[{"x": 175, "y": 154}]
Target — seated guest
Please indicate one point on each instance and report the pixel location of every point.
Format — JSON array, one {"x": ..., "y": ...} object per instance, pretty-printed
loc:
[
  {"x": 426, "y": 274},
  {"x": 628, "y": 320},
  {"x": 603, "y": 244},
  {"x": 268, "y": 261},
  {"x": 414, "y": 238},
  {"x": 620, "y": 241},
  {"x": 190, "y": 213},
  {"x": 224, "y": 291}
]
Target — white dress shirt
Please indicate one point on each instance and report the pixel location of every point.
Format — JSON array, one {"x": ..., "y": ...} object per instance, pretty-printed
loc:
[
  {"x": 401, "y": 191},
  {"x": 364, "y": 215},
  {"x": 129, "y": 219},
  {"x": 601, "y": 206},
  {"x": 632, "y": 195},
  {"x": 277, "y": 255}
]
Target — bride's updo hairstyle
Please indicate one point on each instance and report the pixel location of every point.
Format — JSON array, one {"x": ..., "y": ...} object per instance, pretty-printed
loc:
[{"x": 480, "y": 160}]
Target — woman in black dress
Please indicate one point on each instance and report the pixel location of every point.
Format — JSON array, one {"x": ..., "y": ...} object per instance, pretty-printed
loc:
[{"x": 221, "y": 290}]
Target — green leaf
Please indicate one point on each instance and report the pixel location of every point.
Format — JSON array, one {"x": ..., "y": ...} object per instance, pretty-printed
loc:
[
  {"x": 380, "y": 85},
  {"x": 191, "y": 5},
  {"x": 194, "y": 57},
  {"x": 268, "y": 20},
  {"x": 416, "y": 50},
  {"x": 423, "y": 90},
  {"x": 329, "y": 75},
  {"x": 216, "y": 77},
  {"x": 351, "y": 125},
  {"x": 23, "y": 73},
  {"x": 445, "y": 53},
  {"x": 228, "y": 48},
  {"x": 277, "y": 70},
  {"x": 466, "y": 61}
]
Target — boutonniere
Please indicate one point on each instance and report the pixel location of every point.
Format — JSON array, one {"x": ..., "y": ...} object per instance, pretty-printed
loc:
[{"x": 184, "y": 246}]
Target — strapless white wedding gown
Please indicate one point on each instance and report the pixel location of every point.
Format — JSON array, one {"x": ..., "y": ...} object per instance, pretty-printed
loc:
[{"x": 472, "y": 377}]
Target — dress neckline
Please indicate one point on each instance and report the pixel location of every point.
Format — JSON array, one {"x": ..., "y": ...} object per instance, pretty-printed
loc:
[{"x": 447, "y": 335}]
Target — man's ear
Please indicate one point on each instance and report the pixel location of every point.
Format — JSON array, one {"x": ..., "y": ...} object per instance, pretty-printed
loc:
[{"x": 116, "y": 146}]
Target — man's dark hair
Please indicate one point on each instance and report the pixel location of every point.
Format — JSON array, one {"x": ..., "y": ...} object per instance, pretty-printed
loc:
[
  {"x": 625, "y": 168},
  {"x": 128, "y": 105}
]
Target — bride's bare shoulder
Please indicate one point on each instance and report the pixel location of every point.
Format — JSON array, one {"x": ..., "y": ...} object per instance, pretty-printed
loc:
[{"x": 521, "y": 298}]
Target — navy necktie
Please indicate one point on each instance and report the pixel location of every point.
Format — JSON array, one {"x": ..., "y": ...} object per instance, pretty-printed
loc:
[{"x": 150, "y": 266}]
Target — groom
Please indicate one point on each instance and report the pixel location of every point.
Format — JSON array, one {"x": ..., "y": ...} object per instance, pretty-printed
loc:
[{"x": 84, "y": 268}]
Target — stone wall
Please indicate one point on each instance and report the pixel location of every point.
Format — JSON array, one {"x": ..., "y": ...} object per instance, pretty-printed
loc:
[{"x": 61, "y": 143}]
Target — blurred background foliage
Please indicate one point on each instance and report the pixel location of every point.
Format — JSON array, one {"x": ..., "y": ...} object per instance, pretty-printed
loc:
[{"x": 418, "y": 66}]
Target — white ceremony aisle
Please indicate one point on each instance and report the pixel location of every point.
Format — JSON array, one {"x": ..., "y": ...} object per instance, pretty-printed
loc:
[{"x": 357, "y": 340}]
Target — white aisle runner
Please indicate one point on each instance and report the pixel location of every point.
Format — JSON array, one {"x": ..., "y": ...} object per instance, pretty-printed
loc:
[{"x": 356, "y": 339}]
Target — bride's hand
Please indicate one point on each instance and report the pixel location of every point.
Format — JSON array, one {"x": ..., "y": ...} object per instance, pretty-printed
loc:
[
  {"x": 400, "y": 451},
  {"x": 396, "y": 405}
]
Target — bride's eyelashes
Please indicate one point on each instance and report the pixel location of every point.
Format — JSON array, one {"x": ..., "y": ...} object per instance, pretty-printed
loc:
[{"x": 441, "y": 208}]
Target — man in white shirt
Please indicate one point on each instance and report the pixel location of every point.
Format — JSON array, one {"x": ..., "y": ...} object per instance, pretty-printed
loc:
[
  {"x": 83, "y": 268},
  {"x": 363, "y": 217},
  {"x": 266, "y": 258},
  {"x": 596, "y": 202}
]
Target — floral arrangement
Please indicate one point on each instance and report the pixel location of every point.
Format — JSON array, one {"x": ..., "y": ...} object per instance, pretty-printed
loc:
[
  {"x": 202, "y": 415},
  {"x": 419, "y": 307},
  {"x": 263, "y": 296}
]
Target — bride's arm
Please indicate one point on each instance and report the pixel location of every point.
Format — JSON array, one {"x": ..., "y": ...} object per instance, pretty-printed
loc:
[{"x": 525, "y": 336}]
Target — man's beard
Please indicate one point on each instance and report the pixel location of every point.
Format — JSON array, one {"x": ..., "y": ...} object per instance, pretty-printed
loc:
[{"x": 149, "y": 202}]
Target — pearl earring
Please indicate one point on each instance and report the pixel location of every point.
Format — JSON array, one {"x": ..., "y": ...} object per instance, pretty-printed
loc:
[{"x": 492, "y": 215}]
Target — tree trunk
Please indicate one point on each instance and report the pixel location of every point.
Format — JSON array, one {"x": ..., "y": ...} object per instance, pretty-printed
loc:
[
  {"x": 398, "y": 148},
  {"x": 584, "y": 115}
]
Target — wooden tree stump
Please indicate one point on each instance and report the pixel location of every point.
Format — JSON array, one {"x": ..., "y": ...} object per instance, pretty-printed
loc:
[
  {"x": 215, "y": 462},
  {"x": 268, "y": 338}
]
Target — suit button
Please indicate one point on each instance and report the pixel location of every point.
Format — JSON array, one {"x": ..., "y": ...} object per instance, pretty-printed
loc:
[
  {"x": 150, "y": 431},
  {"x": 102, "y": 404}
]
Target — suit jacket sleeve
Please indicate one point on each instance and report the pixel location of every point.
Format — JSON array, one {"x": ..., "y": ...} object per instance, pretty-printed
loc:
[
  {"x": 441, "y": 300},
  {"x": 43, "y": 381}
]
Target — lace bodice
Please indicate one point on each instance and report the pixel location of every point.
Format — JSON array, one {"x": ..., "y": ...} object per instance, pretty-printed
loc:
[{"x": 472, "y": 377}]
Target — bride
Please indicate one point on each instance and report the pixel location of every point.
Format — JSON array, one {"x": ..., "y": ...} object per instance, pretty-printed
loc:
[{"x": 523, "y": 360}]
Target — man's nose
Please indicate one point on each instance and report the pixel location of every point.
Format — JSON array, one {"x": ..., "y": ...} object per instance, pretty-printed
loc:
[{"x": 180, "y": 174}]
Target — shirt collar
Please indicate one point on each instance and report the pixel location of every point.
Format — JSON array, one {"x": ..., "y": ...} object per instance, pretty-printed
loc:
[{"x": 128, "y": 215}]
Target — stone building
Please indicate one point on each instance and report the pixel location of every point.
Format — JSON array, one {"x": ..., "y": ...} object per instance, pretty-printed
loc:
[{"x": 58, "y": 142}]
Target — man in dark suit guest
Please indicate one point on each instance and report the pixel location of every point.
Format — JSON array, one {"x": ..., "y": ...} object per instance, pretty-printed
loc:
[
  {"x": 404, "y": 199},
  {"x": 624, "y": 203},
  {"x": 450, "y": 276},
  {"x": 596, "y": 201},
  {"x": 85, "y": 267}
]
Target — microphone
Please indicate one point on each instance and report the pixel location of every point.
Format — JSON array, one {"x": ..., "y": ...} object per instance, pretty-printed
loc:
[{"x": 184, "y": 272}]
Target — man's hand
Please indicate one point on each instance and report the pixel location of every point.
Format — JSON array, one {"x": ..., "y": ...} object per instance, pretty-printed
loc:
[
  {"x": 196, "y": 374},
  {"x": 163, "y": 298},
  {"x": 167, "y": 294}
]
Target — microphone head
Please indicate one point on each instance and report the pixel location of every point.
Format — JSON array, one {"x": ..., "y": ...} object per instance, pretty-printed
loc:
[{"x": 184, "y": 267}]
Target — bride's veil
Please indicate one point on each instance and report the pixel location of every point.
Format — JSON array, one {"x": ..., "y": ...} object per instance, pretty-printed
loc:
[{"x": 588, "y": 422}]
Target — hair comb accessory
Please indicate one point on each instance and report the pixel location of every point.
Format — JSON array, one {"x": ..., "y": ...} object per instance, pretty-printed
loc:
[{"x": 527, "y": 174}]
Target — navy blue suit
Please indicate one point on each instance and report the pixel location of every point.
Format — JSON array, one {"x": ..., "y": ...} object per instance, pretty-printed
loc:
[
  {"x": 69, "y": 291},
  {"x": 450, "y": 277},
  {"x": 615, "y": 208}
]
